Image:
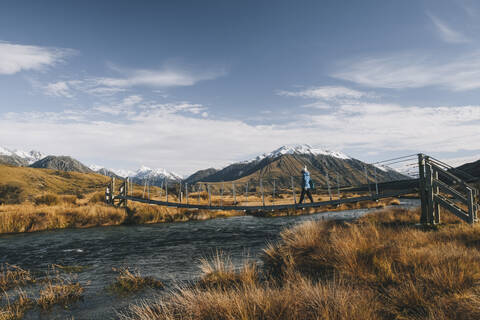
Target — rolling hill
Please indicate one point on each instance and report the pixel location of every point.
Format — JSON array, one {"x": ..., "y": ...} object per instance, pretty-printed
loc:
[{"x": 24, "y": 183}]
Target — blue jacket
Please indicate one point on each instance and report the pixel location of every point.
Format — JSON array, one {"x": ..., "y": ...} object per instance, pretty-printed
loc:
[{"x": 306, "y": 179}]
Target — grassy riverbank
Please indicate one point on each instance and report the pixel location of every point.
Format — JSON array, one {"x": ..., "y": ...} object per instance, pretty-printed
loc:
[
  {"x": 382, "y": 266},
  {"x": 51, "y": 211}
]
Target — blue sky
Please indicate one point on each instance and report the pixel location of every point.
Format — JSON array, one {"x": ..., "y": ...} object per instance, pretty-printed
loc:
[{"x": 187, "y": 85}]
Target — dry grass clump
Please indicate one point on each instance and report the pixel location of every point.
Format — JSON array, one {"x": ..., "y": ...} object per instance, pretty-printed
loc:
[
  {"x": 299, "y": 299},
  {"x": 219, "y": 272},
  {"x": 13, "y": 276},
  {"x": 132, "y": 281},
  {"x": 15, "y": 310},
  {"x": 48, "y": 199},
  {"x": 28, "y": 217},
  {"x": 382, "y": 266},
  {"x": 61, "y": 291}
]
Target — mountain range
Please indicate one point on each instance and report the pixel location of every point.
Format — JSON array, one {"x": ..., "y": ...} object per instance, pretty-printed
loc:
[
  {"x": 19, "y": 157},
  {"x": 280, "y": 164},
  {"x": 287, "y": 162}
]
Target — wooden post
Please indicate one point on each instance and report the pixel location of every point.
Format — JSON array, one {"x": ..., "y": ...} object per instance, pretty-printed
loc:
[
  {"x": 234, "y": 194},
  {"x": 246, "y": 193},
  {"x": 199, "y": 189},
  {"x": 186, "y": 191},
  {"x": 436, "y": 205},
  {"x": 375, "y": 176},
  {"x": 166, "y": 189},
  {"x": 125, "y": 192},
  {"x": 429, "y": 186},
  {"x": 261, "y": 189},
  {"x": 148, "y": 188},
  {"x": 209, "y": 196},
  {"x": 422, "y": 189},
  {"x": 328, "y": 181},
  {"x": 471, "y": 206},
  {"x": 293, "y": 191},
  {"x": 221, "y": 194},
  {"x": 366, "y": 178},
  {"x": 144, "y": 187},
  {"x": 113, "y": 191},
  {"x": 180, "y": 193}
]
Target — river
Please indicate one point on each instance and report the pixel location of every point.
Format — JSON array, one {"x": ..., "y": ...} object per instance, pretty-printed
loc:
[{"x": 169, "y": 252}]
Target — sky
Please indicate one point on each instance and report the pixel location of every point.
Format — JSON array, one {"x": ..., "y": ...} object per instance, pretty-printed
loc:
[{"x": 187, "y": 85}]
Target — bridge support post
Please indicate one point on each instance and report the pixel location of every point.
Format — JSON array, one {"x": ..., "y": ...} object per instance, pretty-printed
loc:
[
  {"x": 209, "y": 196},
  {"x": 471, "y": 206},
  {"x": 422, "y": 189},
  {"x": 429, "y": 185},
  {"x": 436, "y": 205},
  {"x": 234, "y": 194}
]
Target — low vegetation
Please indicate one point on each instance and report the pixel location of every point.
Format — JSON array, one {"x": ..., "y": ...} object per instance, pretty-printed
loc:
[
  {"x": 54, "y": 287},
  {"x": 382, "y": 266},
  {"x": 132, "y": 281}
]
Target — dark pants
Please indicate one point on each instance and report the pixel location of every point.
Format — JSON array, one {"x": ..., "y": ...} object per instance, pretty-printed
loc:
[{"x": 302, "y": 195}]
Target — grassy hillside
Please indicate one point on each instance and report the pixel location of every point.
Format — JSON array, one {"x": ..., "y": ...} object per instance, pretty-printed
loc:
[
  {"x": 18, "y": 184},
  {"x": 349, "y": 171}
]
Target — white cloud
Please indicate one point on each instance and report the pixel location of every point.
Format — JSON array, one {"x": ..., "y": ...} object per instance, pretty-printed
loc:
[
  {"x": 414, "y": 71},
  {"x": 59, "y": 89},
  {"x": 329, "y": 93},
  {"x": 446, "y": 33},
  {"x": 157, "y": 78},
  {"x": 176, "y": 137},
  {"x": 16, "y": 57}
]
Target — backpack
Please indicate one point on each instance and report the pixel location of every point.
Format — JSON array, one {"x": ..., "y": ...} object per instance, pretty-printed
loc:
[{"x": 312, "y": 185}]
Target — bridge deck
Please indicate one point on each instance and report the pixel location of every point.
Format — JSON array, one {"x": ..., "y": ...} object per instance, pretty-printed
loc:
[{"x": 270, "y": 207}]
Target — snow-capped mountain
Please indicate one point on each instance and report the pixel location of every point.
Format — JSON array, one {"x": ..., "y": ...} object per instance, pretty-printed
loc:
[
  {"x": 300, "y": 149},
  {"x": 154, "y": 175},
  {"x": 287, "y": 162},
  {"x": 148, "y": 173},
  {"x": 19, "y": 157}
]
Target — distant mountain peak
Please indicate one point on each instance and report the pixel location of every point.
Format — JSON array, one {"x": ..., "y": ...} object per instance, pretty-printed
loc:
[
  {"x": 300, "y": 149},
  {"x": 20, "y": 157}
]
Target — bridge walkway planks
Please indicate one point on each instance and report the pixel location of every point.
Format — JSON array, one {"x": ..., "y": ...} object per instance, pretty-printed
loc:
[{"x": 270, "y": 207}]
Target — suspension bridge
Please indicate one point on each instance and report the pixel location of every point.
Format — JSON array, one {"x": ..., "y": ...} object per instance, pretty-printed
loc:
[{"x": 437, "y": 184}]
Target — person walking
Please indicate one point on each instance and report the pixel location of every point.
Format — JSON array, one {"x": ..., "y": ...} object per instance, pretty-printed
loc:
[{"x": 305, "y": 185}]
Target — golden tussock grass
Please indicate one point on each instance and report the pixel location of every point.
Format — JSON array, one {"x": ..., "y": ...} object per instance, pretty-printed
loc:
[
  {"x": 219, "y": 272},
  {"x": 13, "y": 276},
  {"x": 382, "y": 266},
  {"x": 132, "y": 281},
  {"x": 28, "y": 217},
  {"x": 63, "y": 293},
  {"x": 15, "y": 310}
]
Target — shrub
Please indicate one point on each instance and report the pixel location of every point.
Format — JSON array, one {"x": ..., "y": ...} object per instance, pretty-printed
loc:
[{"x": 48, "y": 199}]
